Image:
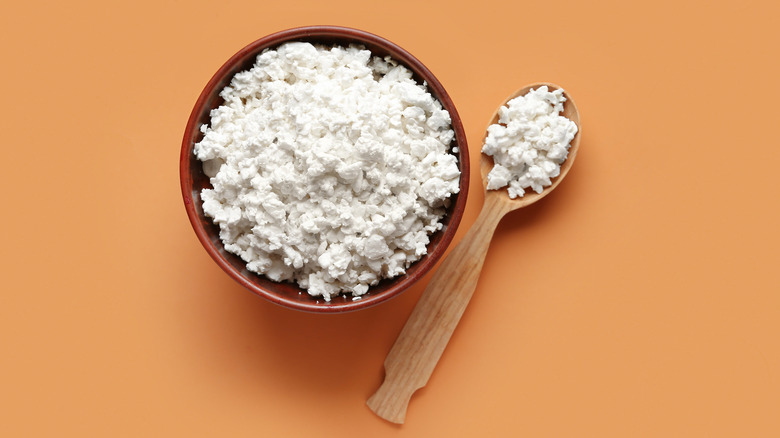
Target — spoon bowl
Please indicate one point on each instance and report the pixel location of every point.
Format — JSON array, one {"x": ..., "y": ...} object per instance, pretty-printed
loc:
[
  {"x": 571, "y": 112},
  {"x": 420, "y": 344}
]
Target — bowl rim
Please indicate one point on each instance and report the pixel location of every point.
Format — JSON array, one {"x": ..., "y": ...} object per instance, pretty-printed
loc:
[{"x": 404, "y": 281}]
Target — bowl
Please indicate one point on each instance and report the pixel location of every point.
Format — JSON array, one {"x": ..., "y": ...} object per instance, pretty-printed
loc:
[{"x": 193, "y": 180}]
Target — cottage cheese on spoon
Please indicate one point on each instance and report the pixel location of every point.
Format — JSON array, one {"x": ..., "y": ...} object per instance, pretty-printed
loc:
[{"x": 530, "y": 142}]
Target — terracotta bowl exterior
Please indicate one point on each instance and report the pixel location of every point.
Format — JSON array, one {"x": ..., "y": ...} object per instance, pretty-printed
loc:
[{"x": 193, "y": 180}]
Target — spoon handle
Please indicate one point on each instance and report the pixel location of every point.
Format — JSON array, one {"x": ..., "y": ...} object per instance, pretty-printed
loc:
[{"x": 422, "y": 340}]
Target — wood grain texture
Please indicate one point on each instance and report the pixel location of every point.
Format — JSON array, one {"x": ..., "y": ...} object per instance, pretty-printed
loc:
[
  {"x": 433, "y": 320},
  {"x": 411, "y": 360}
]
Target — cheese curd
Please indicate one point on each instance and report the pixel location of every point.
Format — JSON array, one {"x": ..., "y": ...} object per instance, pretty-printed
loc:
[
  {"x": 330, "y": 167},
  {"x": 529, "y": 142}
]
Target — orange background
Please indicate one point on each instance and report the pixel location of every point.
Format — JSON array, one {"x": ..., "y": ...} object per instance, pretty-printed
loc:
[{"x": 641, "y": 299}]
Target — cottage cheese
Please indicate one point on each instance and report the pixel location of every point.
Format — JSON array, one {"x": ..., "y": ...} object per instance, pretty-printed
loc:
[
  {"x": 329, "y": 167},
  {"x": 529, "y": 142}
]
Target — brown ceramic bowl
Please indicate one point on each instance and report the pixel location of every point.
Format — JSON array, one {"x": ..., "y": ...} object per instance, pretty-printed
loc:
[{"x": 193, "y": 180}]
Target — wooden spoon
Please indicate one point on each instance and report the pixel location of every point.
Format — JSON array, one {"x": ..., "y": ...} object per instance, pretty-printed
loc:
[{"x": 422, "y": 340}]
